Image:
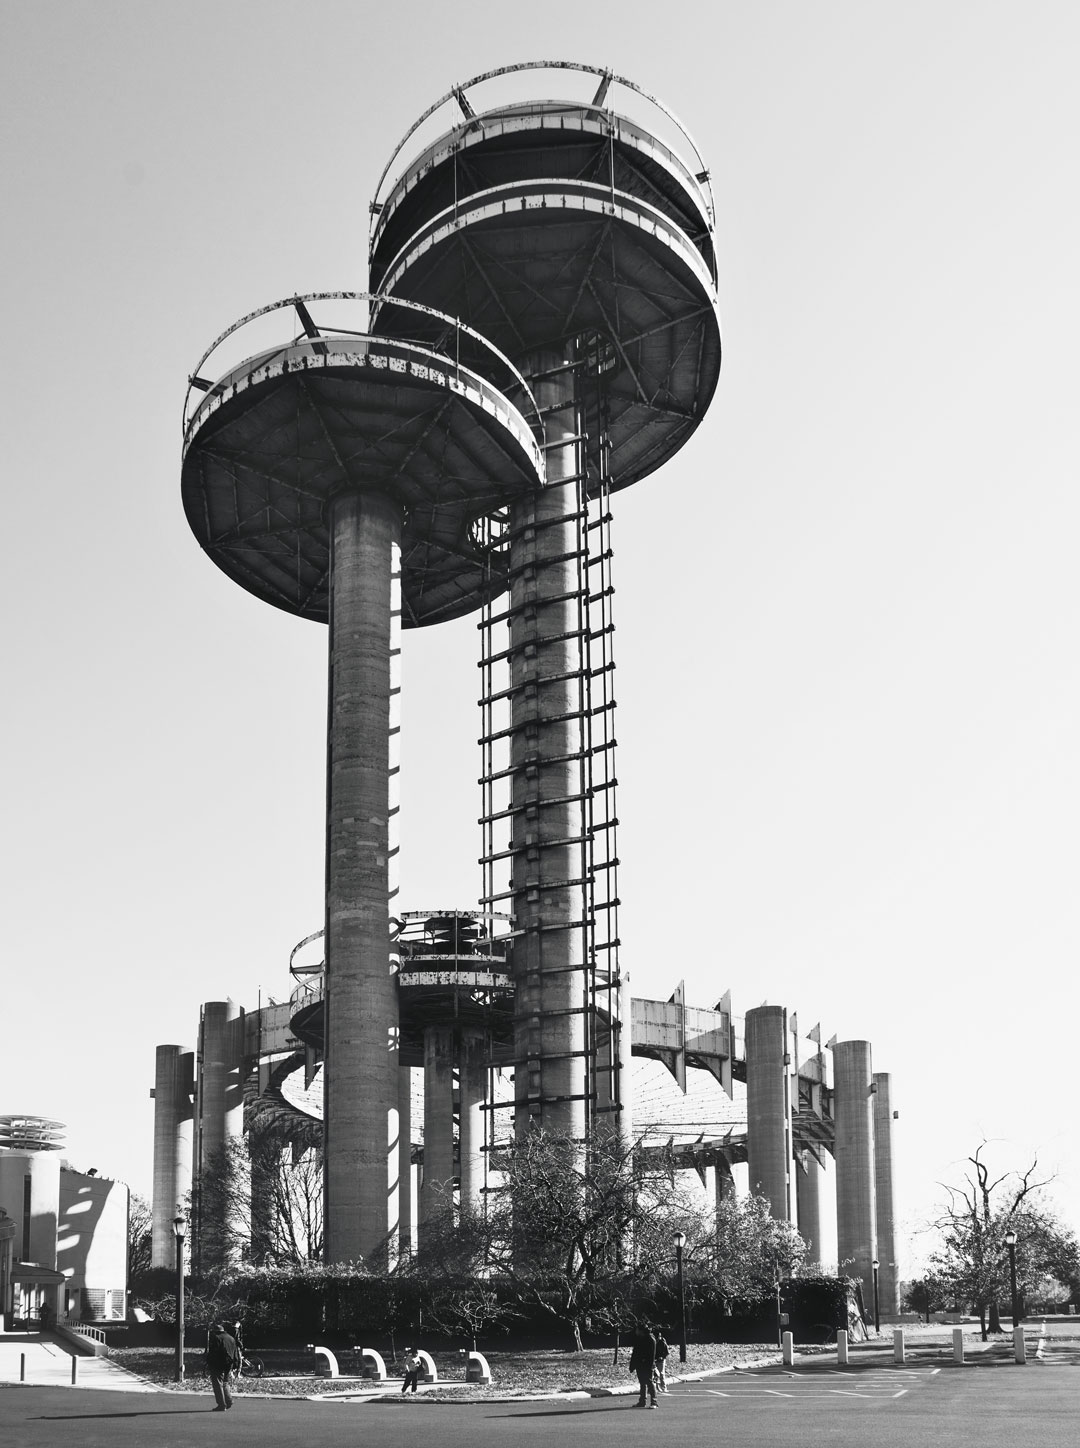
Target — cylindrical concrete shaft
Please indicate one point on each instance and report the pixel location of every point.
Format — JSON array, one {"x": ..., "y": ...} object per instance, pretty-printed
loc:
[
  {"x": 768, "y": 1107},
  {"x": 174, "y": 1081},
  {"x": 853, "y": 1107},
  {"x": 472, "y": 1093},
  {"x": 406, "y": 1240},
  {"x": 219, "y": 1129},
  {"x": 436, "y": 1193},
  {"x": 361, "y": 1091},
  {"x": 550, "y": 1073},
  {"x": 808, "y": 1184},
  {"x": 884, "y": 1177}
]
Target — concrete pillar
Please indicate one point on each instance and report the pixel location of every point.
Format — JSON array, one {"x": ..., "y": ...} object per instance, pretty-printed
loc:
[
  {"x": 174, "y": 1083},
  {"x": 888, "y": 1270},
  {"x": 853, "y": 1107},
  {"x": 768, "y": 1107},
  {"x": 406, "y": 1240},
  {"x": 550, "y": 1074},
  {"x": 361, "y": 1064},
  {"x": 808, "y": 1192},
  {"x": 218, "y": 1224},
  {"x": 436, "y": 1193},
  {"x": 472, "y": 1093}
]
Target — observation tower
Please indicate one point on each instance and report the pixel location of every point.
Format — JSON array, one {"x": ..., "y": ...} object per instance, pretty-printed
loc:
[
  {"x": 541, "y": 330},
  {"x": 340, "y": 476},
  {"x": 580, "y": 243}
]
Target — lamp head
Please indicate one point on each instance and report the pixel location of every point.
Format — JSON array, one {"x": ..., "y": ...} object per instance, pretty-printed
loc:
[
  {"x": 1010, "y": 1238},
  {"x": 875, "y": 1264},
  {"x": 680, "y": 1241},
  {"x": 179, "y": 1226}
]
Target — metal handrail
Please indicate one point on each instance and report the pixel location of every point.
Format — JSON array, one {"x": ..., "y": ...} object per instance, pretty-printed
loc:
[
  {"x": 455, "y": 94},
  {"x": 374, "y": 301}
]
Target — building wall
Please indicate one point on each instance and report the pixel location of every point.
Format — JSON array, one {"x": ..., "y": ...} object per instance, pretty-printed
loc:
[
  {"x": 92, "y": 1244},
  {"x": 29, "y": 1191}
]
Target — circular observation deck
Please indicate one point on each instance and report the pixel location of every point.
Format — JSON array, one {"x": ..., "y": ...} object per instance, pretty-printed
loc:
[
  {"x": 31, "y": 1133},
  {"x": 423, "y": 415},
  {"x": 452, "y": 970},
  {"x": 557, "y": 223}
]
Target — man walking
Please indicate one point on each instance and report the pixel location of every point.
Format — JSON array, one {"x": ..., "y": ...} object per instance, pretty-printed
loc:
[
  {"x": 643, "y": 1362},
  {"x": 222, "y": 1358},
  {"x": 413, "y": 1363}
]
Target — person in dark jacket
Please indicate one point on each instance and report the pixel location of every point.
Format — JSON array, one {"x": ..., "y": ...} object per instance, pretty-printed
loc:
[
  {"x": 222, "y": 1358},
  {"x": 642, "y": 1362}
]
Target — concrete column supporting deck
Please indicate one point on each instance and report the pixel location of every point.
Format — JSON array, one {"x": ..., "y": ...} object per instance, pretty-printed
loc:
[
  {"x": 888, "y": 1270},
  {"x": 853, "y": 1107},
  {"x": 220, "y": 1127},
  {"x": 436, "y": 1193},
  {"x": 768, "y": 1107},
  {"x": 361, "y": 1065},
  {"x": 808, "y": 1192},
  {"x": 551, "y": 1073},
  {"x": 472, "y": 1093},
  {"x": 406, "y": 1240},
  {"x": 174, "y": 1084}
]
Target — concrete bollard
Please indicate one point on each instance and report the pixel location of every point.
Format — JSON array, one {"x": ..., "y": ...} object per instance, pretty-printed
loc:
[
  {"x": 477, "y": 1370},
  {"x": 22, "y": 1367},
  {"x": 841, "y": 1348},
  {"x": 324, "y": 1352},
  {"x": 374, "y": 1366},
  {"x": 74, "y": 1370},
  {"x": 1019, "y": 1345},
  {"x": 958, "y": 1344},
  {"x": 787, "y": 1346},
  {"x": 898, "y": 1345}
]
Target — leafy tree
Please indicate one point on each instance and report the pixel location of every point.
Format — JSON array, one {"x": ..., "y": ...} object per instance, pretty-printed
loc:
[
  {"x": 926, "y": 1295},
  {"x": 973, "y": 1260}
]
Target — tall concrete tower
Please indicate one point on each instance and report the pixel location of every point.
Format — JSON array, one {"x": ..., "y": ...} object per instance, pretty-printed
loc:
[
  {"x": 543, "y": 331},
  {"x": 581, "y": 244},
  {"x": 340, "y": 476}
]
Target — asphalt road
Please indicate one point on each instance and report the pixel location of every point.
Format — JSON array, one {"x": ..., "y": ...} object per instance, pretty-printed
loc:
[{"x": 992, "y": 1401}]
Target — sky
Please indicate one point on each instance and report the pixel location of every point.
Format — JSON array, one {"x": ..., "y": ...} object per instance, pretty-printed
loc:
[{"x": 847, "y": 612}]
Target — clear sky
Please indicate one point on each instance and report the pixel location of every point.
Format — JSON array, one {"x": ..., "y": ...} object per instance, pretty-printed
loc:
[{"x": 847, "y": 614}]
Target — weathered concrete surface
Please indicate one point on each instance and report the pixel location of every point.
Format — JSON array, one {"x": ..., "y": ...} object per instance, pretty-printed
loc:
[
  {"x": 853, "y": 1104},
  {"x": 768, "y": 1107},
  {"x": 174, "y": 1083},
  {"x": 361, "y": 1090}
]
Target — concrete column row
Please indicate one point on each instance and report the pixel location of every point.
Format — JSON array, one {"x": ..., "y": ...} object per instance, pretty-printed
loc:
[{"x": 864, "y": 1165}]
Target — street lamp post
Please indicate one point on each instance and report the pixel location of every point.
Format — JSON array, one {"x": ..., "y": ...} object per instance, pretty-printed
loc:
[
  {"x": 680, "y": 1242},
  {"x": 180, "y": 1230},
  {"x": 877, "y": 1308},
  {"x": 1010, "y": 1242}
]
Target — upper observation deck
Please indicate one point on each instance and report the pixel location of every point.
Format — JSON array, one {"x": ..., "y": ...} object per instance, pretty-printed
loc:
[
  {"x": 424, "y": 415},
  {"x": 559, "y": 224}
]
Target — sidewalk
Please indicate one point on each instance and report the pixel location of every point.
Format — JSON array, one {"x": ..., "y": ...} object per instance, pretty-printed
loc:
[{"x": 49, "y": 1365}]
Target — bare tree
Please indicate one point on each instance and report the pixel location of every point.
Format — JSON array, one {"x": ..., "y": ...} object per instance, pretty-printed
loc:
[
  {"x": 973, "y": 1261},
  {"x": 261, "y": 1200},
  {"x": 140, "y": 1238}
]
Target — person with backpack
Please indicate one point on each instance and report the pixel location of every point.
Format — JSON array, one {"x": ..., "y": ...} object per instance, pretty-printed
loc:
[
  {"x": 222, "y": 1359},
  {"x": 662, "y": 1351},
  {"x": 643, "y": 1362}
]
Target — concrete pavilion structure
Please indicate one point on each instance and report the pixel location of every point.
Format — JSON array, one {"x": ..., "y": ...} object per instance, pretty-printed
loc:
[{"x": 541, "y": 331}]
